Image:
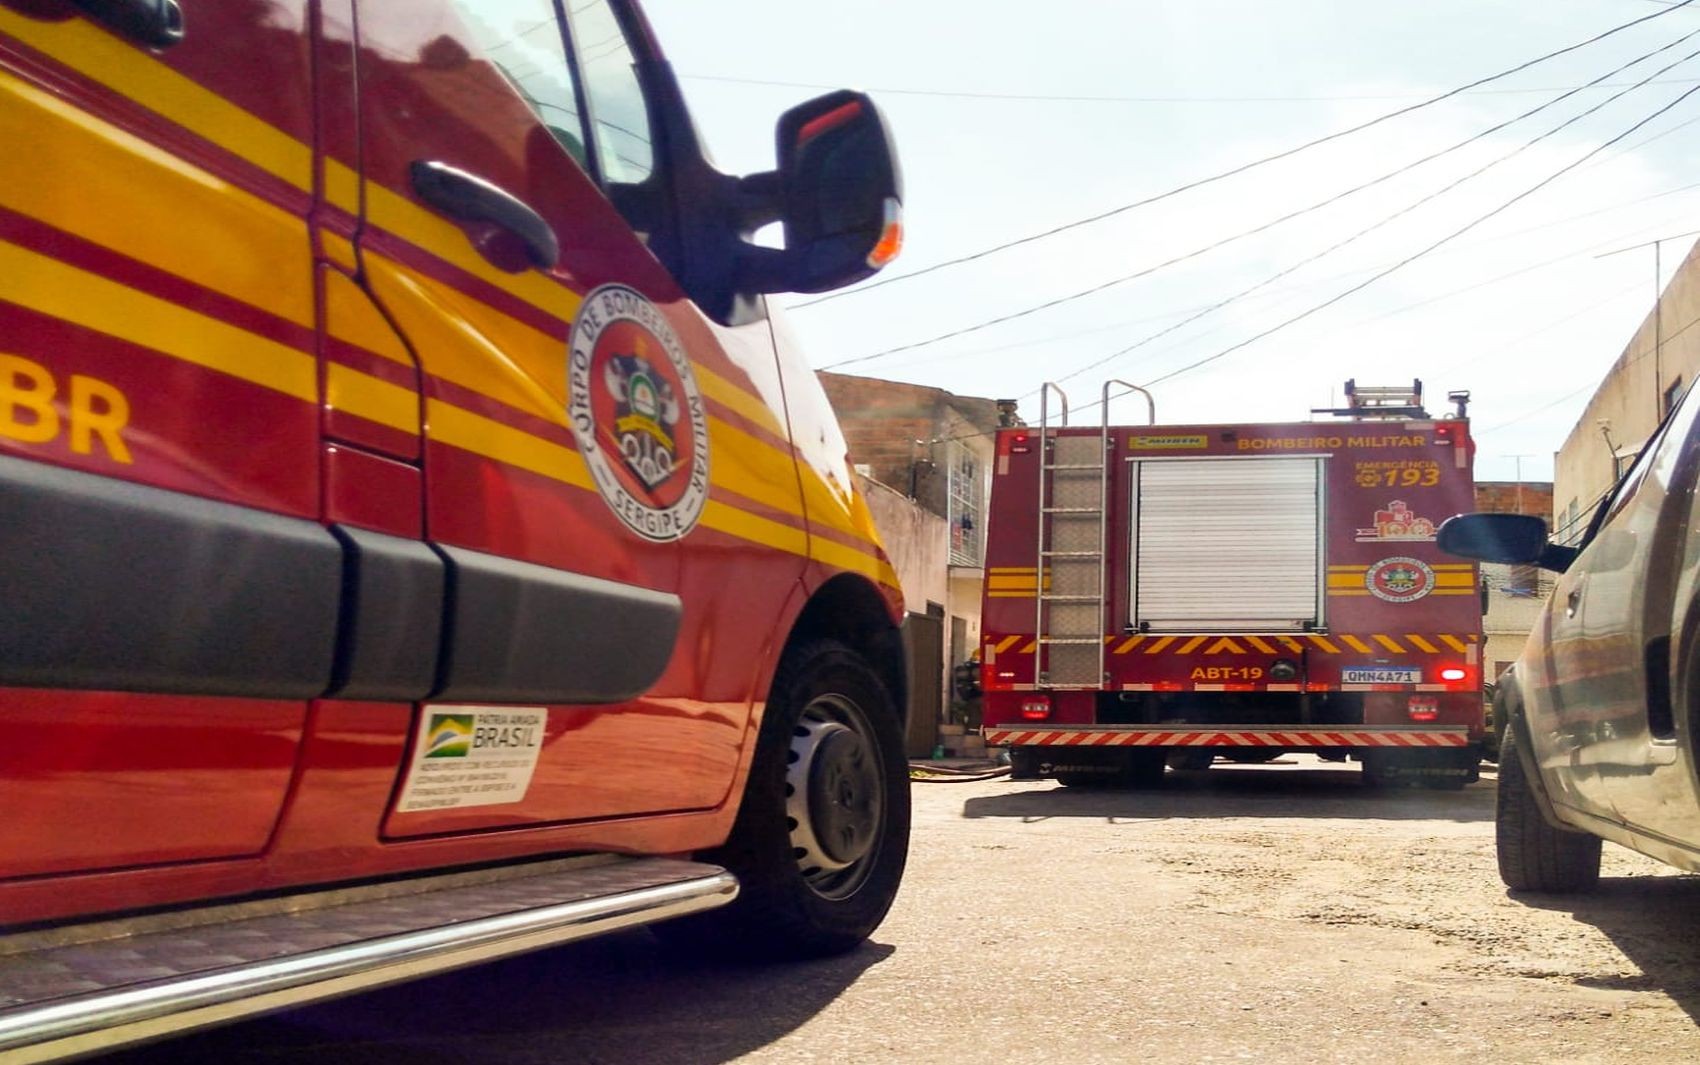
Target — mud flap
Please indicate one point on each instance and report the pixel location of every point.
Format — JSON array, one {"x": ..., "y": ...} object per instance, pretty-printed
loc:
[
  {"x": 1453, "y": 766},
  {"x": 1024, "y": 763}
]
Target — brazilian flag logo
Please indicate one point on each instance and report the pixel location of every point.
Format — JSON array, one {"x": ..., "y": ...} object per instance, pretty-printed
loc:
[{"x": 449, "y": 736}]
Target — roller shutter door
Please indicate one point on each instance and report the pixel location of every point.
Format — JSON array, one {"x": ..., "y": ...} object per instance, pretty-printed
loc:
[{"x": 1227, "y": 545}]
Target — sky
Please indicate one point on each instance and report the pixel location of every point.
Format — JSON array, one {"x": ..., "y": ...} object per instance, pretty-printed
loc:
[{"x": 1011, "y": 119}]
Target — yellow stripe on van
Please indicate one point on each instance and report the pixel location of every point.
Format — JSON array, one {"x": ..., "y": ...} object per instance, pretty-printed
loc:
[
  {"x": 148, "y": 204},
  {"x": 89, "y": 300},
  {"x": 455, "y": 427},
  {"x": 750, "y": 467},
  {"x": 848, "y": 558},
  {"x": 104, "y": 58},
  {"x": 465, "y": 341},
  {"x": 741, "y": 402},
  {"x": 451, "y": 425},
  {"x": 370, "y": 398}
]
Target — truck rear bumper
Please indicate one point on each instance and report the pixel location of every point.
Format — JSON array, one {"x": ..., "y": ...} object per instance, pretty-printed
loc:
[{"x": 1158, "y": 736}]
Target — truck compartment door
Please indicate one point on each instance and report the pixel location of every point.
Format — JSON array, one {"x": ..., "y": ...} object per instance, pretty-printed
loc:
[{"x": 1229, "y": 544}]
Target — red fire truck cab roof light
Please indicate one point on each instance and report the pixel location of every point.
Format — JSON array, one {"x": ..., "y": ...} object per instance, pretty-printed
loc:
[{"x": 1036, "y": 709}]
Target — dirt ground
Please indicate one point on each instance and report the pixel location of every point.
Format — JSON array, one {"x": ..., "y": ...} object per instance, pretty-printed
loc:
[{"x": 1274, "y": 913}]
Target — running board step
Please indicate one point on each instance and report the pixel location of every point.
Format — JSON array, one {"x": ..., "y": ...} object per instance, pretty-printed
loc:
[{"x": 61, "y": 1000}]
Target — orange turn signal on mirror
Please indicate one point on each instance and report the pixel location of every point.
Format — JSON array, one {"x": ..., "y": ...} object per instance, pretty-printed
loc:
[{"x": 891, "y": 235}]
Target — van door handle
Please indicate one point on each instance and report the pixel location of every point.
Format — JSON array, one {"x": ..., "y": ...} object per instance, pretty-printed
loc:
[
  {"x": 466, "y": 196},
  {"x": 156, "y": 23}
]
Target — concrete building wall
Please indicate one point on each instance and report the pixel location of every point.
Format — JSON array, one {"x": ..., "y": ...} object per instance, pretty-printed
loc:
[
  {"x": 917, "y": 541},
  {"x": 1661, "y": 359}
]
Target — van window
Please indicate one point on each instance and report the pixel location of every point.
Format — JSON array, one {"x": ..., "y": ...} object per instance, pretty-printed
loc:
[
  {"x": 522, "y": 39},
  {"x": 625, "y": 145}
]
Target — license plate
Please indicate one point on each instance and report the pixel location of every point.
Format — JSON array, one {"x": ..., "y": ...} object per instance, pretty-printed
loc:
[{"x": 1381, "y": 675}]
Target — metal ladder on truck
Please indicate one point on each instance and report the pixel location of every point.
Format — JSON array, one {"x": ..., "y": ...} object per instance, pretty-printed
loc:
[{"x": 1074, "y": 491}]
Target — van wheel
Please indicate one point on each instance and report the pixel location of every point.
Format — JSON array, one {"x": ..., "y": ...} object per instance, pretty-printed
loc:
[
  {"x": 1533, "y": 855},
  {"x": 822, "y": 835}
]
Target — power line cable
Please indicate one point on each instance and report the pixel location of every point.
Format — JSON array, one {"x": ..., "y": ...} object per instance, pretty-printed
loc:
[
  {"x": 1477, "y": 433},
  {"x": 1383, "y": 272},
  {"x": 1336, "y": 246},
  {"x": 1542, "y": 409},
  {"x": 1242, "y": 168},
  {"x": 1318, "y": 205},
  {"x": 1017, "y": 97},
  {"x": 1474, "y": 286},
  {"x": 1531, "y": 190}
]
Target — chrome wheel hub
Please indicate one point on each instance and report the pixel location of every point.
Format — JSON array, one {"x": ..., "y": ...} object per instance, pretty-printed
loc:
[{"x": 834, "y": 796}]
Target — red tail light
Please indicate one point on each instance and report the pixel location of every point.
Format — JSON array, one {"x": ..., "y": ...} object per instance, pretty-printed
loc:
[
  {"x": 1036, "y": 709},
  {"x": 1423, "y": 708},
  {"x": 1453, "y": 674}
]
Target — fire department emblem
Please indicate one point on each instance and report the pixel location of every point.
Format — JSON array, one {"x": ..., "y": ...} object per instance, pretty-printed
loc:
[
  {"x": 1399, "y": 580},
  {"x": 1396, "y": 521},
  {"x": 637, "y": 413}
]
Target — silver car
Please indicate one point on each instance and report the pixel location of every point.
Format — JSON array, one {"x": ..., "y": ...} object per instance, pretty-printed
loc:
[{"x": 1602, "y": 708}]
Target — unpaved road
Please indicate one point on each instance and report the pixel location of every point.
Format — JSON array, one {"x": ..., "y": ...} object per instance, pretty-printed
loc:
[{"x": 1276, "y": 913}]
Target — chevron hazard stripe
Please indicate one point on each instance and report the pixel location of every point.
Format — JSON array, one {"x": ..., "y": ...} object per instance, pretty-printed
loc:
[{"x": 1169, "y": 737}]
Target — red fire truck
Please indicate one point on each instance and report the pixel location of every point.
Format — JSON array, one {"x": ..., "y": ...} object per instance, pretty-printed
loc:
[{"x": 1166, "y": 595}]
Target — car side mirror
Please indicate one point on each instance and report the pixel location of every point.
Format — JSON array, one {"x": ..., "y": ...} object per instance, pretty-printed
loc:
[
  {"x": 837, "y": 193},
  {"x": 1517, "y": 539}
]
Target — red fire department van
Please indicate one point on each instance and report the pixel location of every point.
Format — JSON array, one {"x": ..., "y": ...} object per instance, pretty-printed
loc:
[
  {"x": 404, "y": 489},
  {"x": 1167, "y": 595}
]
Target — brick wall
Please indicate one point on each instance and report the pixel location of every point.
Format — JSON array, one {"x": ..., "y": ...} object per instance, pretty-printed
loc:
[
  {"x": 882, "y": 420},
  {"x": 1500, "y": 497},
  {"x": 899, "y": 431}
]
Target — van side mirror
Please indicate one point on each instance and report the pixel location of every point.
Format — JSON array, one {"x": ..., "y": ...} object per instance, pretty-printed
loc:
[
  {"x": 1518, "y": 539},
  {"x": 837, "y": 193}
]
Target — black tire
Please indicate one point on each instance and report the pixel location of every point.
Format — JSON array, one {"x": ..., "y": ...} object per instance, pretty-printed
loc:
[
  {"x": 822, "y": 834},
  {"x": 1533, "y": 855}
]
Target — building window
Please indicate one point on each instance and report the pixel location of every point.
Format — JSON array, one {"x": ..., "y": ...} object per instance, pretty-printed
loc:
[
  {"x": 1568, "y": 519},
  {"x": 967, "y": 493},
  {"x": 1620, "y": 464},
  {"x": 1672, "y": 394}
]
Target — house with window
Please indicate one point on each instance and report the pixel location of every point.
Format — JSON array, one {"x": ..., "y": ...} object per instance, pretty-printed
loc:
[{"x": 926, "y": 455}]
